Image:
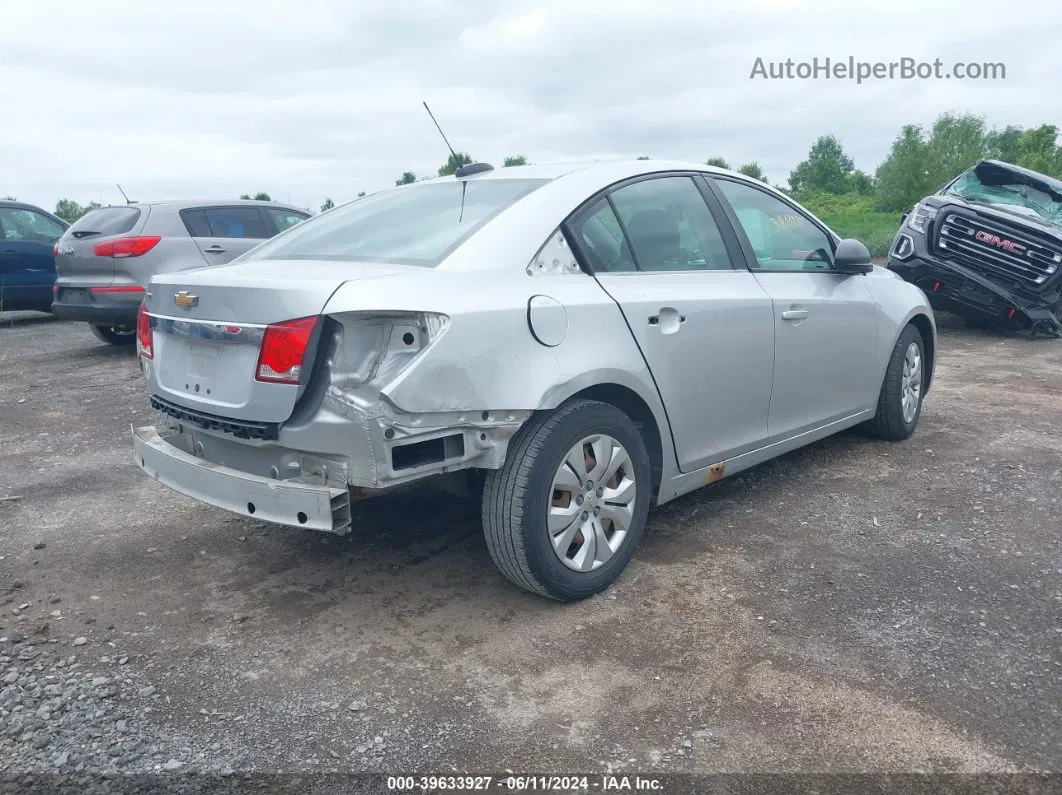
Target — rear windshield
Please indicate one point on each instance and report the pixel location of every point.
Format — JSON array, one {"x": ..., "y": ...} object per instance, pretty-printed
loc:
[
  {"x": 417, "y": 225},
  {"x": 106, "y": 221}
]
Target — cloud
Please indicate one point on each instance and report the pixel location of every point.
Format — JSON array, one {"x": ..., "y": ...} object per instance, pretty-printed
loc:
[{"x": 323, "y": 98}]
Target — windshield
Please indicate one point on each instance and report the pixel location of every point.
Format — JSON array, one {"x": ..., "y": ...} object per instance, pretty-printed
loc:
[
  {"x": 418, "y": 225},
  {"x": 1009, "y": 191}
]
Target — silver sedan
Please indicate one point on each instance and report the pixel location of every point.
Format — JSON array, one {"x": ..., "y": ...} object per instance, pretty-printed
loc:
[{"x": 581, "y": 342}]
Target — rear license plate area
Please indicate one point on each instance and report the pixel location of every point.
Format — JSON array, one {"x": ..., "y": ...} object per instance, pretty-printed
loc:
[{"x": 79, "y": 296}]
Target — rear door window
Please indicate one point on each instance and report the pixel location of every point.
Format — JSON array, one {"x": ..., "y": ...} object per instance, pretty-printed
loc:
[
  {"x": 106, "y": 221},
  {"x": 285, "y": 219},
  {"x": 237, "y": 222},
  {"x": 669, "y": 226}
]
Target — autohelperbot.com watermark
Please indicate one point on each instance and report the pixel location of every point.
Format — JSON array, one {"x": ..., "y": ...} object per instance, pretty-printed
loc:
[{"x": 861, "y": 71}]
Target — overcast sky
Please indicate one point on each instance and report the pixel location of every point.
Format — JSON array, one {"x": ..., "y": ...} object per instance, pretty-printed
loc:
[{"x": 321, "y": 98}]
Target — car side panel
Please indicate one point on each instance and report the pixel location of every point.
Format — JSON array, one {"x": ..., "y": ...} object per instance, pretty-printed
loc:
[
  {"x": 824, "y": 359},
  {"x": 714, "y": 367},
  {"x": 488, "y": 360},
  {"x": 27, "y": 272},
  {"x": 898, "y": 303}
]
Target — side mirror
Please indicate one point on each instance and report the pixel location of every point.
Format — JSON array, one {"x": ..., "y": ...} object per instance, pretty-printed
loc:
[
  {"x": 903, "y": 218},
  {"x": 852, "y": 257}
]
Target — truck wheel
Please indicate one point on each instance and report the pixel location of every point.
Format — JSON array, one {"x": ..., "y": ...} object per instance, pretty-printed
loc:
[
  {"x": 114, "y": 335},
  {"x": 900, "y": 401},
  {"x": 565, "y": 513}
]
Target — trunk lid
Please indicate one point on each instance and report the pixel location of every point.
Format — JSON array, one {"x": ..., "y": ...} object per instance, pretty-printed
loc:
[{"x": 208, "y": 326}]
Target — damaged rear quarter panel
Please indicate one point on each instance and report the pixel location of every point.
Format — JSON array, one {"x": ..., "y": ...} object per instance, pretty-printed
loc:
[
  {"x": 486, "y": 373},
  {"x": 488, "y": 359}
]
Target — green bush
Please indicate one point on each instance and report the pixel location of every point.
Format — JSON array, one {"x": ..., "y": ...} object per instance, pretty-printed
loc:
[{"x": 851, "y": 215}]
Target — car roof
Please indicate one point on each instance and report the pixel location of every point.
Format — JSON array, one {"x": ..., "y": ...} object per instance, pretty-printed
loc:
[
  {"x": 600, "y": 174},
  {"x": 552, "y": 171},
  {"x": 182, "y": 204},
  {"x": 22, "y": 205},
  {"x": 1025, "y": 172}
]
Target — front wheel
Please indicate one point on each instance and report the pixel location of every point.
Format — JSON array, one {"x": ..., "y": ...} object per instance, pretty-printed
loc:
[
  {"x": 114, "y": 335},
  {"x": 565, "y": 513},
  {"x": 900, "y": 400}
]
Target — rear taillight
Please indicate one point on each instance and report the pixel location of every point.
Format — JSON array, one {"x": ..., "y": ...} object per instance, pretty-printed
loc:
[
  {"x": 55, "y": 249},
  {"x": 143, "y": 332},
  {"x": 125, "y": 246},
  {"x": 283, "y": 351}
]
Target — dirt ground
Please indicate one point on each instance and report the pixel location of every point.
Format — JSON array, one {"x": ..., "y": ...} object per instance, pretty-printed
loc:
[{"x": 855, "y": 606}]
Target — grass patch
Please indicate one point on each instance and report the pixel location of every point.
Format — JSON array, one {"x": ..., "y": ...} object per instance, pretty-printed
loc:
[{"x": 854, "y": 216}]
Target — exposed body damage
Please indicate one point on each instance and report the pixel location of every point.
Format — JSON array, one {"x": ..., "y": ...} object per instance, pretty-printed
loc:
[
  {"x": 294, "y": 382},
  {"x": 988, "y": 247},
  {"x": 373, "y": 422}
]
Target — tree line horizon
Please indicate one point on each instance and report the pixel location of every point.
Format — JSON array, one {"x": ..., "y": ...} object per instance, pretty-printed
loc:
[{"x": 920, "y": 161}]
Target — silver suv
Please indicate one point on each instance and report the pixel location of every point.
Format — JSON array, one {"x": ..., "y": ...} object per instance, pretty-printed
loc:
[{"x": 106, "y": 259}]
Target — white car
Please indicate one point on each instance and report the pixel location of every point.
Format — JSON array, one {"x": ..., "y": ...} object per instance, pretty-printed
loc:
[{"x": 593, "y": 339}]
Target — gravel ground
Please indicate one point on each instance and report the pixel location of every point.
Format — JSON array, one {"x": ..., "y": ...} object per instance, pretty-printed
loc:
[{"x": 856, "y": 606}]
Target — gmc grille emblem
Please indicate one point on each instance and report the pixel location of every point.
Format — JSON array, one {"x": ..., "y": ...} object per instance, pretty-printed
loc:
[{"x": 999, "y": 242}]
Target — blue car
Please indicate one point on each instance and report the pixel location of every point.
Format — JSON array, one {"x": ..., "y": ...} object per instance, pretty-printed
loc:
[{"x": 28, "y": 236}]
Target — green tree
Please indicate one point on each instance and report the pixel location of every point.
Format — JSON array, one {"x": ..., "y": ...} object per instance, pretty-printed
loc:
[
  {"x": 643, "y": 157},
  {"x": 752, "y": 170},
  {"x": 515, "y": 160},
  {"x": 827, "y": 168},
  {"x": 903, "y": 178},
  {"x": 10, "y": 199},
  {"x": 1038, "y": 149},
  {"x": 956, "y": 142},
  {"x": 328, "y": 205},
  {"x": 407, "y": 178},
  {"x": 862, "y": 183},
  {"x": 70, "y": 211},
  {"x": 718, "y": 162},
  {"x": 258, "y": 197},
  {"x": 1003, "y": 144},
  {"x": 453, "y": 163}
]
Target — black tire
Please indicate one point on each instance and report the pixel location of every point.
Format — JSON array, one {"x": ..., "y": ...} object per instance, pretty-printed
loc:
[
  {"x": 516, "y": 497},
  {"x": 114, "y": 335},
  {"x": 889, "y": 422}
]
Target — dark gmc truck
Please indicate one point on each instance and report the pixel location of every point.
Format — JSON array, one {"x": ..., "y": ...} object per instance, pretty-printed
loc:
[{"x": 988, "y": 248}]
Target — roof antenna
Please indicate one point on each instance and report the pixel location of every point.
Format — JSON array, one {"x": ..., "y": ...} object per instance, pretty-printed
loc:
[
  {"x": 437, "y": 127},
  {"x": 466, "y": 170},
  {"x": 123, "y": 194}
]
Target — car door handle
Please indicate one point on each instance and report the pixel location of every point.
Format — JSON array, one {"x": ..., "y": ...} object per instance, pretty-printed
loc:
[
  {"x": 215, "y": 249},
  {"x": 794, "y": 314},
  {"x": 668, "y": 321}
]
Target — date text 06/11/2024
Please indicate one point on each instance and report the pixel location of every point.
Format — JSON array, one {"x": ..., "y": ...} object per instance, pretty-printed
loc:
[{"x": 523, "y": 783}]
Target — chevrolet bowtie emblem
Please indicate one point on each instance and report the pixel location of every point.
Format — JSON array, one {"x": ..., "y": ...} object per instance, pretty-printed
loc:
[{"x": 186, "y": 300}]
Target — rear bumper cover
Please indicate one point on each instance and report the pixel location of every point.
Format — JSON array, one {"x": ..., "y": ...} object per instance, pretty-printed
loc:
[
  {"x": 280, "y": 501},
  {"x": 951, "y": 287},
  {"x": 80, "y": 304}
]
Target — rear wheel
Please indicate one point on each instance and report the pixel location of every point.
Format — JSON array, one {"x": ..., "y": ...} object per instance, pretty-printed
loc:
[
  {"x": 565, "y": 513},
  {"x": 115, "y": 335},
  {"x": 900, "y": 400}
]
